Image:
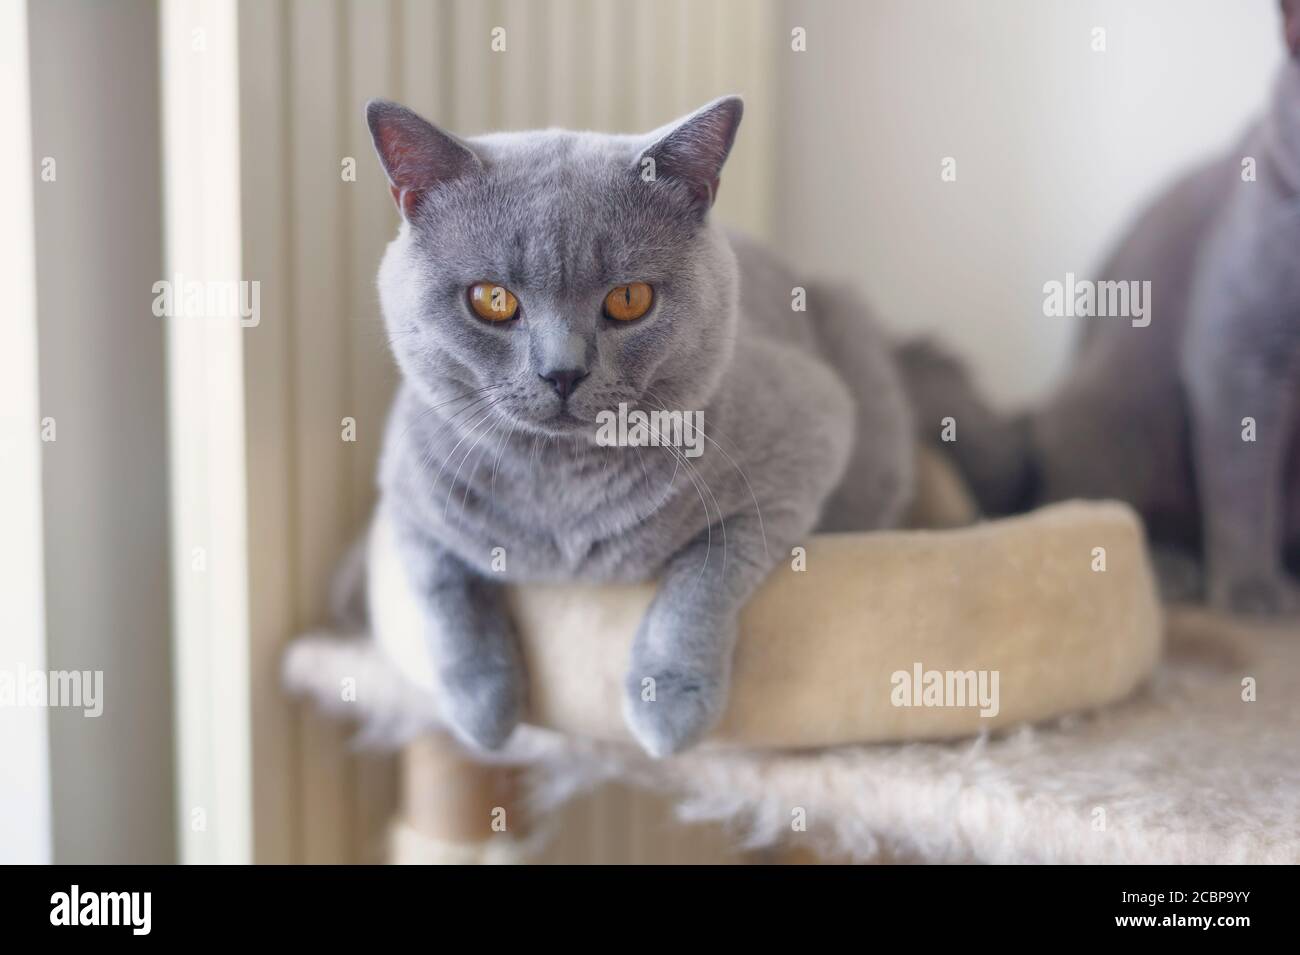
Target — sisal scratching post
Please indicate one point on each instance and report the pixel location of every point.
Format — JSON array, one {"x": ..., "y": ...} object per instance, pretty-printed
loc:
[{"x": 456, "y": 811}]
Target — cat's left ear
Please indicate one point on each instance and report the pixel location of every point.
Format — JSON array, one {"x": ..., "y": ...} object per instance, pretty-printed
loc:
[
  {"x": 692, "y": 150},
  {"x": 1291, "y": 25},
  {"x": 416, "y": 155}
]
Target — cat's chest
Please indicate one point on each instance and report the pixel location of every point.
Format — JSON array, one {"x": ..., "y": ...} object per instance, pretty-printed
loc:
[{"x": 539, "y": 513}]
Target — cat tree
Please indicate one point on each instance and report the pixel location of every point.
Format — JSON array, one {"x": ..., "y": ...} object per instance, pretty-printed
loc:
[{"x": 820, "y": 748}]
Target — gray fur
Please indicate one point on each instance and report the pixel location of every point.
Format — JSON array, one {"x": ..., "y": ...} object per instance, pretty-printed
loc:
[
  {"x": 1154, "y": 415},
  {"x": 992, "y": 450},
  {"x": 799, "y": 408}
]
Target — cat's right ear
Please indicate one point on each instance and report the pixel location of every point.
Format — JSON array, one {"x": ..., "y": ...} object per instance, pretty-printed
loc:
[
  {"x": 416, "y": 155},
  {"x": 692, "y": 150}
]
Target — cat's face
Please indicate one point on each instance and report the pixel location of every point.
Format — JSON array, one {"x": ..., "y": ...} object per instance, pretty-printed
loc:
[{"x": 545, "y": 276}]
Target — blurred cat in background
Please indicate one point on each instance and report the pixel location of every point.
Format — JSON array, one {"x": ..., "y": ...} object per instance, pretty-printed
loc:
[
  {"x": 539, "y": 279},
  {"x": 1195, "y": 418}
]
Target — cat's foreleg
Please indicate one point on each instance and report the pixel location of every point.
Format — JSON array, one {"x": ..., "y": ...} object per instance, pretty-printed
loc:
[
  {"x": 477, "y": 665},
  {"x": 677, "y": 681},
  {"x": 1242, "y": 417}
]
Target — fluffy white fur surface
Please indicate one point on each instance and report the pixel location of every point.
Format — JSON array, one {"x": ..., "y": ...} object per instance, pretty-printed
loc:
[{"x": 1185, "y": 771}]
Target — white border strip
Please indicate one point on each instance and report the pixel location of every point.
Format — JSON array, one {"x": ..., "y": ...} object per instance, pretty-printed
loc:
[
  {"x": 200, "y": 83},
  {"x": 25, "y": 834}
]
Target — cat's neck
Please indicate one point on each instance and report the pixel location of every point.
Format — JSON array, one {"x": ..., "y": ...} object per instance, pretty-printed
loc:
[{"x": 466, "y": 433}]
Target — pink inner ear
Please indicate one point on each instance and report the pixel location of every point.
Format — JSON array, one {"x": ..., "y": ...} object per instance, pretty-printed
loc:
[
  {"x": 410, "y": 198},
  {"x": 705, "y": 195},
  {"x": 1291, "y": 24},
  {"x": 406, "y": 200},
  {"x": 395, "y": 150}
]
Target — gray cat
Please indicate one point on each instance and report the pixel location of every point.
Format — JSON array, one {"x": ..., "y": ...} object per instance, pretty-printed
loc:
[
  {"x": 541, "y": 278},
  {"x": 1156, "y": 415}
]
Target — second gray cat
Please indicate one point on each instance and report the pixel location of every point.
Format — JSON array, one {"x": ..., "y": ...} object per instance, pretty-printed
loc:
[
  {"x": 541, "y": 278},
  {"x": 1195, "y": 418}
]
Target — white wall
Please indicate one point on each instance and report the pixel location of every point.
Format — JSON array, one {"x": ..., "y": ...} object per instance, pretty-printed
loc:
[{"x": 1055, "y": 145}]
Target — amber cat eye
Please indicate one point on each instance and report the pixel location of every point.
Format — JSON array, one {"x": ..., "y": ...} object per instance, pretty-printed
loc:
[
  {"x": 629, "y": 302},
  {"x": 493, "y": 303}
]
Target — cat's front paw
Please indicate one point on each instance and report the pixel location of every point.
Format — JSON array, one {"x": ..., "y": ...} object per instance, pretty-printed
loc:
[
  {"x": 669, "y": 707},
  {"x": 676, "y": 684},
  {"x": 1259, "y": 595},
  {"x": 483, "y": 700}
]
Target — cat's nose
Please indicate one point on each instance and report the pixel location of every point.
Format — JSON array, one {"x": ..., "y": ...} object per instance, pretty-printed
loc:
[{"x": 565, "y": 380}]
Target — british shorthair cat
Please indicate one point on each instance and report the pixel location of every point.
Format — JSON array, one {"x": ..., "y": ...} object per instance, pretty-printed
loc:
[{"x": 542, "y": 280}]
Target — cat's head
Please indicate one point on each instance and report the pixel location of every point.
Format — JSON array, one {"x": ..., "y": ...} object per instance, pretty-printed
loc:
[{"x": 560, "y": 272}]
